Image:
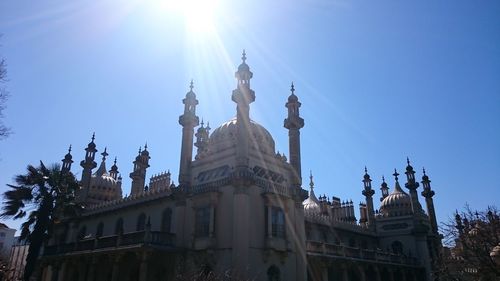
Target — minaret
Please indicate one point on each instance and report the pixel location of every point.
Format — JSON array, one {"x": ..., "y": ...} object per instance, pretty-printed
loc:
[
  {"x": 384, "y": 189},
  {"x": 243, "y": 96},
  {"x": 428, "y": 193},
  {"x": 412, "y": 185},
  {"x": 88, "y": 164},
  {"x": 67, "y": 161},
  {"x": 294, "y": 123},
  {"x": 188, "y": 121},
  {"x": 138, "y": 176},
  {"x": 202, "y": 139},
  {"x": 114, "y": 171},
  {"x": 368, "y": 193}
]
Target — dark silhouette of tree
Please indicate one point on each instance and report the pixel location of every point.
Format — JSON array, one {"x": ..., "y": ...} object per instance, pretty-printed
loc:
[
  {"x": 470, "y": 238},
  {"x": 48, "y": 195},
  {"x": 4, "y": 131}
]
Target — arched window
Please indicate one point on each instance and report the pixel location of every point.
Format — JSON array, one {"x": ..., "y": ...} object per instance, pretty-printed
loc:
[
  {"x": 166, "y": 220},
  {"x": 141, "y": 222},
  {"x": 100, "y": 229},
  {"x": 82, "y": 232},
  {"x": 397, "y": 247},
  {"x": 273, "y": 273},
  {"x": 119, "y": 227}
]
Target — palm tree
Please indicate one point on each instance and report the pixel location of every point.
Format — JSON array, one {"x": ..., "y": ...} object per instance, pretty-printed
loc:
[{"x": 47, "y": 194}]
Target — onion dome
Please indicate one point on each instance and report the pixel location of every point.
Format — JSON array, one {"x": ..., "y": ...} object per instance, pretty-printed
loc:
[
  {"x": 191, "y": 94},
  {"x": 104, "y": 187},
  {"x": 92, "y": 143},
  {"x": 225, "y": 136},
  {"x": 292, "y": 97},
  {"x": 243, "y": 73},
  {"x": 145, "y": 152},
  {"x": 398, "y": 203},
  {"x": 311, "y": 204}
]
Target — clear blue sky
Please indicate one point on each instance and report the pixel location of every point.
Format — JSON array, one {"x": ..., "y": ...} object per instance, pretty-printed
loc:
[{"x": 378, "y": 81}]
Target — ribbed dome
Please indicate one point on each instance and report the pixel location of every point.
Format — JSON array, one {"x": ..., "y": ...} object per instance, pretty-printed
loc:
[
  {"x": 225, "y": 136},
  {"x": 398, "y": 203},
  {"x": 104, "y": 181},
  {"x": 311, "y": 204},
  {"x": 103, "y": 186}
]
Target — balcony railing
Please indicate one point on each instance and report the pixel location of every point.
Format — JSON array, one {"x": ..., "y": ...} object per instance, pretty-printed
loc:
[
  {"x": 158, "y": 238},
  {"x": 342, "y": 251}
]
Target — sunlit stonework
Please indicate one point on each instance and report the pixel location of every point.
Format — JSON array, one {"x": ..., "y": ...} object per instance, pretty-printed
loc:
[{"x": 238, "y": 210}]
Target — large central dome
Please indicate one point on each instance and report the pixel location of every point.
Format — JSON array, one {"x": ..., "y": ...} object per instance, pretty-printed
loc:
[{"x": 225, "y": 137}]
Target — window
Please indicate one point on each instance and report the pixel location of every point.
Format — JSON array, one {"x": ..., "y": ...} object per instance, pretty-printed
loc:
[
  {"x": 141, "y": 222},
  {"x": 202, "y": 219},
  {"x": 277, "y": 222},
  {"x": 119, "y": 227},
  {"x": 100, "y": 229},
  {"x": 166, "y": 220}
]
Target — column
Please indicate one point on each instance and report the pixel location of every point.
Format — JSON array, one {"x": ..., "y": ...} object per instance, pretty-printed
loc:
[
  {"x": 92, "y": 266},
  {"x": 82, "y": 270},
  {"x": 377, "y": 274},
  {"x": 324, "y": 273},
  {"x": 269, "y": 221},
  {"x": 143, "y": 270},
  {"x": 345, "y": 274},
  {"x": 116, "y": 267},
  {"x": 362, "y": 274}
]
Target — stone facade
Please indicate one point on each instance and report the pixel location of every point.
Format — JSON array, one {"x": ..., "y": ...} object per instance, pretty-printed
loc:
[{"x": 239, "y": 210}]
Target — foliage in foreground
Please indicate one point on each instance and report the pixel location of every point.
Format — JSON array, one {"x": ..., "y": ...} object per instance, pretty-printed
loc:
[
  {"x": 43, "y": 195},
  {"x": 470, "y": 237}
]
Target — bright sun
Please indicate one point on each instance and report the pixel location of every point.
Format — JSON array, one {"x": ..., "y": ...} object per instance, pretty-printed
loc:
[{"x": 198, "y": 15}]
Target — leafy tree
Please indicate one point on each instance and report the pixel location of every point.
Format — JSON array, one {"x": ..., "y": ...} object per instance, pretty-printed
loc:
[
  {"x": 470, "y": 237},
  {"x": 47, "y": 194}
]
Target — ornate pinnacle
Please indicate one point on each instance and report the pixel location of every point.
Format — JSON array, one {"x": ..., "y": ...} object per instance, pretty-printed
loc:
[
  {"x": 244, "y": 56},
  {"x": 396, "y": 174}
]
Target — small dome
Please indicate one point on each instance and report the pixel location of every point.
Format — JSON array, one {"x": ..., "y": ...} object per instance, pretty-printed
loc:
[
  {"x": 398, "y": 203},
  {"x": 104, "y": 181},
  {"x": 293, "y": 98},
  {"x": 226, "y": 134},
  {"x": 103, "y": 186},
  {"x": 311, "y": 204}
]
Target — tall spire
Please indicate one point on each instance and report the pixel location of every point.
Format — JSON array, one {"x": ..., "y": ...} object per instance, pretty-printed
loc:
[
  {"x": 384, "y": 189},
  {"x": 396, "y": 179},
  {"x": 138, "y": 175},
  {"x": 88, "y": 163},
  {"x": 67, "y": 161},
  {"x": 428, "y": 193},
  {"x": 368, "y": 193},
  {"x": 102, "y": 168},
  {"x": 114, "y": 170},
  {"x": 202, "y": 135},
  {"x": 412, "y": 186},
  {"x": 294, "y": 123},
  {"x": 311, "y": 188},
  {"x": 188, "y": 120},
  {"x": 243, "y": 96},
  {"x": 243, "y": 75}
]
